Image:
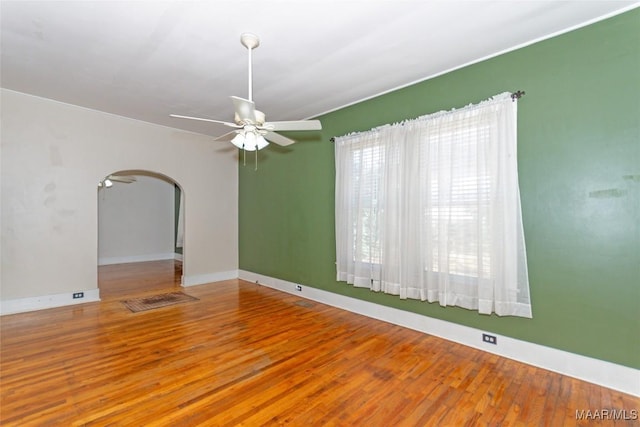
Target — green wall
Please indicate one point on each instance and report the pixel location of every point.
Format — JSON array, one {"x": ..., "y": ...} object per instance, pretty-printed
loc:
[{"x": 579, "y": 165}]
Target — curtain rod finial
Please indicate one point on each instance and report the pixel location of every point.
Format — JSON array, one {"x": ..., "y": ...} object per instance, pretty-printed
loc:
[{"x": 517, "y": 95}]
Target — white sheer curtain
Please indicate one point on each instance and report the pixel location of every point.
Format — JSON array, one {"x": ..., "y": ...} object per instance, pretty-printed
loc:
[{"x": 430, "y": 209}]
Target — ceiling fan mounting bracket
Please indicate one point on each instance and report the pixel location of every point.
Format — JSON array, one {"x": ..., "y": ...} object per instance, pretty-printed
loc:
[{"x": 249, "y": 40}]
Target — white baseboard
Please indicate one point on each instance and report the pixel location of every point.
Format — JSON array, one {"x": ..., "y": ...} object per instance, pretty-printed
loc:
[
  {"x": 135, "y": 258},
  {"x": 21, "y": 305},
  {"x": 42, "y": 302},
  {"x": 603, "y": 373},
  {"x": 201, "y": 279},
  {"x": 178, "y": 257}
]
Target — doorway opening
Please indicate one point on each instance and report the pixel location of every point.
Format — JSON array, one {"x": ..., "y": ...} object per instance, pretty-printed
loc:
[{"x": 140, "y": 234}]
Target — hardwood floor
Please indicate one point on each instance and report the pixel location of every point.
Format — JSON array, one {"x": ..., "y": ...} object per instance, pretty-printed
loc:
[
  {"x": 248, "y": 355},
  {"x": 120, "y": 280}
]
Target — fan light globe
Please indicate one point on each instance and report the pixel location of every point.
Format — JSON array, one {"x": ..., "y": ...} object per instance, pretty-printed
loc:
[
  {"x": 238, "y": 141},
  {"x": 261, "y": 142},
  {"x": 250, "y": 141}
]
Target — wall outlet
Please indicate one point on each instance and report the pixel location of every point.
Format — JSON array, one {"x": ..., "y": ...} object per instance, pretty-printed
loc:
[
  {"x": 77, "y": 295},
  {"x": 299, "y": 288},
  {"x": 491, "y": 339}
]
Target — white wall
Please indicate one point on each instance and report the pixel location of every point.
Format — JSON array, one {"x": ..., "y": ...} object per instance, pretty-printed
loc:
[
  {"x": 136, "y": 221},
  {"x": 53, "y": 156}
]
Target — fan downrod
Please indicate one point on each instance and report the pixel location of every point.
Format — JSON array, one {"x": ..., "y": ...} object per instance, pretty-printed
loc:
[{"x": 249, "y": 40}]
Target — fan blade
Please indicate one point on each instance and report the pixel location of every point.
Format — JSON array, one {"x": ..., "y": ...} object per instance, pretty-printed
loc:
[
  {"x": 294, "y": 125},
  {"x": 278, "y": 139},
  {"x": 227, "y": 136},
  {"x": 122, "y": 178},
  {"x": 233, "y": 125},
  {"x": 245, "y": 109}
]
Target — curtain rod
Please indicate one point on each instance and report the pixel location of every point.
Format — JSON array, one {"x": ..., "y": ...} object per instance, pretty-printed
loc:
[{"x": 515, "y": 95}]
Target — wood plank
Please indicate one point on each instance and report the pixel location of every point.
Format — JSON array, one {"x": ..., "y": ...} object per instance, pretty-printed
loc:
[{"x": 249, "y": 355}]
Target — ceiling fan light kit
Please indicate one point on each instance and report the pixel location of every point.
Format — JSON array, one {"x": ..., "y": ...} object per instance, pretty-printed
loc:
[
  {"x": 252, "y": 131},
  {"x": 249, "y": 140}
]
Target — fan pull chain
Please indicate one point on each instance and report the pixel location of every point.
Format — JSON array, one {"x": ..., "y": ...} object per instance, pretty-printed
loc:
[{"x": 244, "y": 158}]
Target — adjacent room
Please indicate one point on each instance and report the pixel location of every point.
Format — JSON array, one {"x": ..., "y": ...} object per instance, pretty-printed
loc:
[{"x": 348, "y": 213}]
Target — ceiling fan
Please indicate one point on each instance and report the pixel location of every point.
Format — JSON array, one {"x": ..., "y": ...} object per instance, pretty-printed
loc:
[
  {"x": 108, "y": 181},
  {"x": 253, "y": 132}
]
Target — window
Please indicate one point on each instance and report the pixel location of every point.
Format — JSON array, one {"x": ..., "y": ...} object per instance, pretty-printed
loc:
[{"x": 430, "y": 209}]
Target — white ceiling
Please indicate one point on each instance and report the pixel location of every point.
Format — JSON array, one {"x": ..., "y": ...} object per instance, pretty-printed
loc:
[{"x": 147, "y": 59}]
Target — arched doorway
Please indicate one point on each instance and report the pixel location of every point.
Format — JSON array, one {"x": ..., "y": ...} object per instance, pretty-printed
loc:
[{"x": 140, "y": 233}]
